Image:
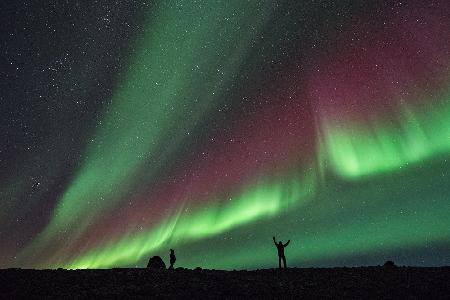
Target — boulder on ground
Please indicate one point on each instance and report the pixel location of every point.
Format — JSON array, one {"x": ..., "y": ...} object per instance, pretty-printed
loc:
[
  {"x": 389, "y": 264},
  {"x": 156, "y": 263}
]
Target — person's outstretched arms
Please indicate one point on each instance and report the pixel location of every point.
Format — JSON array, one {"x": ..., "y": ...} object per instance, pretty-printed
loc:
[
  {"x": 274, "y": 241},
  {"x": 287, "y": 243}
]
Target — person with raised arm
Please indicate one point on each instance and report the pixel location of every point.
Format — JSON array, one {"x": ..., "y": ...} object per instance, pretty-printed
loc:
[{"x": 280, "y": 247}]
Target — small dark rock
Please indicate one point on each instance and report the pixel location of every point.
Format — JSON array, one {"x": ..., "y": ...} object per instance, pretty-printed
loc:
[
  {"x": 198, "y": 269},
  {"x": 389, "y": 264},
  {"x": 156, "y": 263}
]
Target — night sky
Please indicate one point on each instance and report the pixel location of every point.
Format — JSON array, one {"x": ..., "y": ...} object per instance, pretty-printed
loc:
[{"x": 132, "y": 127}]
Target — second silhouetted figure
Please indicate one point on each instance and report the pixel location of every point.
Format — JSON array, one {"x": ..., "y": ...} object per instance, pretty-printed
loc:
[
  {"x": 280, "y": 248},
  {"x": 172, "y": 258}
]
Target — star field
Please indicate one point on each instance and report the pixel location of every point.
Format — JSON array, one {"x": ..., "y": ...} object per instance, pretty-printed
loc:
[{"x": 208, "y": 127}]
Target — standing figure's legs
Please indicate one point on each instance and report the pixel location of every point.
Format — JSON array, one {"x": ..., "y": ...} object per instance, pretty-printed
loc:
[
  {"x": 279, "y": 262},
  {"x": 284, "y": 261}
]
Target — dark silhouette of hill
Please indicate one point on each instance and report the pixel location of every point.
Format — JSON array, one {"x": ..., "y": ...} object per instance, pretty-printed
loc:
[{"x": 311, "y": 283}]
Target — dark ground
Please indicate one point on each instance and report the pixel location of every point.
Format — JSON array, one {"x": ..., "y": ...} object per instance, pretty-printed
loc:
[{"x": 361, "y": 283}]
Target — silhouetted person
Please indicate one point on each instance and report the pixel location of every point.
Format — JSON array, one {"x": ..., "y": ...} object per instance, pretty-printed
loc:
[
  {"x": 280, "y": 248},
  {"x": 173, "y": 259}
]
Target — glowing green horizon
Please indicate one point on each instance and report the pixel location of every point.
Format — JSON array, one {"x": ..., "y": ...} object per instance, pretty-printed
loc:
[{"x": 263, "y": 200}]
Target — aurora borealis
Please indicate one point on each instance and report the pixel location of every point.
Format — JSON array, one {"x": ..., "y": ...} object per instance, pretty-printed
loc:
[{"x": 211, "y": 126}]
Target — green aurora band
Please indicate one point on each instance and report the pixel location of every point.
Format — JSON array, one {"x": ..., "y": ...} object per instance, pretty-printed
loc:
[
  {"x": 272, "y": 197},
  {"x": 140, "y": 118},
  {"x": 390, "y": 145},
  {"x": 159, "y": 87}
]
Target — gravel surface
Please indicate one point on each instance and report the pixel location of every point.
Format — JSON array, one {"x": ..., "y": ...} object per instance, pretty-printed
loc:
[{"x": 315, "y": 283}]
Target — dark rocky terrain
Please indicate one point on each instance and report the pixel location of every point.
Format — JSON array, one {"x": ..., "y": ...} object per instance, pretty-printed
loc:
[{"x": 361, "y": 283}]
